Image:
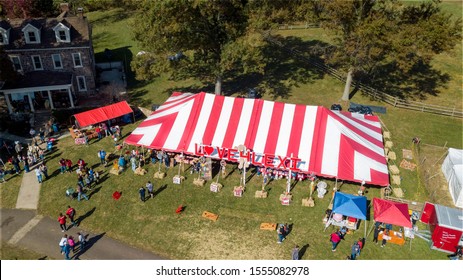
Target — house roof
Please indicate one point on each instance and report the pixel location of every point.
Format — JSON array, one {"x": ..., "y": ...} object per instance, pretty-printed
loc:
[
  {"x": 40, "y": 79},
  {"x": 79, "y": 28}
]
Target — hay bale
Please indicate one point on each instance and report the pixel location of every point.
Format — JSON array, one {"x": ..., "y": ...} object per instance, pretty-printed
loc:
[
  {"x": 387, "y": 134},
  {"x": 388, "y": 144},
  {"x": 391, "y": 155},
  {"x": 398, "y": 192},
  {"x": 261, "y": 194},
  {"x": 394, "y": 169},
  {"x": 308, "y": 202},
  {"x": 115, "y": 171},
  {"x": 238, "y": 191},
  {"x": 178, "y": 179},
  {"x": 159, "y": 175},
  {"x": 215, "y": 187},
  {"x": 140, "y": 171},
  {"x": 396, "y": 180},
  {"x": 198, "y": 182}
]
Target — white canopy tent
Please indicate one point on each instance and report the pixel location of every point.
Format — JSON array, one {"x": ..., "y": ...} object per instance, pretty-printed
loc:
[{"x": 453, "y": 171}]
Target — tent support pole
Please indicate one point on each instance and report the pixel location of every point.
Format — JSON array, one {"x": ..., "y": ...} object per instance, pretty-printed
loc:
[{"x": 371, "y": 228}]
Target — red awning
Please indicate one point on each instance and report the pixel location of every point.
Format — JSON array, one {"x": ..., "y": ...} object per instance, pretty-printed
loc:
[{"x": 103, "y": 114}]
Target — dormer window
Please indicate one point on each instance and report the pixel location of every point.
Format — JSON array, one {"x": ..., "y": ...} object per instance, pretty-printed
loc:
[
  {"x": 62, "y": 33},
  {"x": 4, "y": 34},
  {"x": 31, "y": 34}
]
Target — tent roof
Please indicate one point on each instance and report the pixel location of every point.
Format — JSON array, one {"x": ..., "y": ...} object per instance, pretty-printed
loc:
[
  {"x": 328, "y": 143},
  {"x": 350, "y": 205},
  {"x": 103, "y": 114},
  {"x": 391, "y": 212},
  {"x": 452, "y": 167},
  {"x": 449, "y": 217}
]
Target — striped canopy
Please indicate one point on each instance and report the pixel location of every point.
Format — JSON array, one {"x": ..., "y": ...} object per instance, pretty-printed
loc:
[{"x": 327, "y": 143}]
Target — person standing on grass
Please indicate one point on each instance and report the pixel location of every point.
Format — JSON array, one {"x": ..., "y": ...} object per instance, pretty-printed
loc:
[
  {"x": 102, "y": 155},
  {"x": 62, "y": 165},
  {"x": 385, "y": 238},
  {"x": 376, "y": 234},
  {"x": 39, "y": 175},
  {"x": 295, "y": 253},
  {"x": 141, "y": 191},
  {"x": 71, "y": 213},
  {"x": 281, "y": 234},
  {"x": 62, "y": 222},
  {"x": 335, "y": 239},
  {"x": 354, "y": 251},
  {"x": 149, "y": 187},
  {"x": 44, "y": 169},
  {"x": 82, "y": 241},
  {"x": 80, "y": 192},
  {"x": 62, "y": 243}
]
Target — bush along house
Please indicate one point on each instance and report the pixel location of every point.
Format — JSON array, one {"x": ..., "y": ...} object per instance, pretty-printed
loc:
[{"x": 55, "y": 60}]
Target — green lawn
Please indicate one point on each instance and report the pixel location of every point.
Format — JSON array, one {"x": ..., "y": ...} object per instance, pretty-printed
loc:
[
  {"x": 10, "y": 252},
  {"x": 235, "y": 235}
]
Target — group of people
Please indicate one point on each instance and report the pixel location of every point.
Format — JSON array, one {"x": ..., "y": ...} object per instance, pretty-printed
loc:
[
  {"x": 142, "y": 191},
  {"x": 338, "y": 235},
  {"x": 282, "y": 232},
  {"x": 67, "y": 244}
]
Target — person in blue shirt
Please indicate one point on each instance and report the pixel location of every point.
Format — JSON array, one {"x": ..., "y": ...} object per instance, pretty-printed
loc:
[{"x": 121, "y": 162}]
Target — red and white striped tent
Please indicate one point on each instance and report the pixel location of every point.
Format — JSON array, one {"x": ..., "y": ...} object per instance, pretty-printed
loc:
[{"x": 304, "y": 139}]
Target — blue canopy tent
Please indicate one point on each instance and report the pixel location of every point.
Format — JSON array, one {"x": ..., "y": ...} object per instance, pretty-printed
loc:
[{"x": 348, "y": 205}]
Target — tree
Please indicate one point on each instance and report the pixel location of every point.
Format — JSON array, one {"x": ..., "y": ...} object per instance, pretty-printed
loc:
[
  {"x": 373, "y": 34},
  {"x": 207, "y": 40},
  {"x": 28, "y": 8}
]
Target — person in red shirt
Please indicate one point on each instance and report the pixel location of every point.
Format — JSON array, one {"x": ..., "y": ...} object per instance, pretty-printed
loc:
[
  {"x": 71, "y": 213},
  {"x": 335, "y": 239},
  {"x": 81, "y": 163},
  {"x": 69, "y": 165},
  {"x": 62, "y": 222}
]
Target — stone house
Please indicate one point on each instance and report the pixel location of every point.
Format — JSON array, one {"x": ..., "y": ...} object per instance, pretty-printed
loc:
[{"x": 55, "y": 59}]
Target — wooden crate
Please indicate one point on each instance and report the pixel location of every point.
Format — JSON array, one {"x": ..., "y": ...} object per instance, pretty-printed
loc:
[
  {"x": 268, "y": 226},
  {"x": 210, "y": 216}
]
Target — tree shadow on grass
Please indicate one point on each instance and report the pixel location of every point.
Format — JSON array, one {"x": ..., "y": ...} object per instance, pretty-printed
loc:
[{"x": 419, "y": 83}]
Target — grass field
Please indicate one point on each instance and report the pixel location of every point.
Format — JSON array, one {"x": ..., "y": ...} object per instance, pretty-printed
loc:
[{"x": 153, "y": 225}]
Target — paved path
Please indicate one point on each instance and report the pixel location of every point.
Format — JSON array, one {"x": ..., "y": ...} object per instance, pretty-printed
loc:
[{"x": 23, "y": 227}]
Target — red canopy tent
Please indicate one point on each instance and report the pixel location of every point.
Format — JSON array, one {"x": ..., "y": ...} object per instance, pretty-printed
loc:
[
  {"x": 103, "y": 114},
  {"x": 390, "y": 212}
]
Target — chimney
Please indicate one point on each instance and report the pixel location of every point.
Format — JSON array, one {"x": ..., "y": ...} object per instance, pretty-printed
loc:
[
  {"x": 80, "y": 12},
  {"x": 64, "y": 7}
]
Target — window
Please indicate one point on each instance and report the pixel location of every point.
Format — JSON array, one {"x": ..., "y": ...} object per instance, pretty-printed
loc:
[
  {"x": 57, "y": 61},
  {"x": 16, "y": 63},
  {"x": 77, "y": 60},
  {"x": 37, "y": 62},
  {"x": 31, "y": 34},
  {"x": 32, "y": 37},
  {"x": 81, "y": 83},
  {"x": 4, "y": 36},
  {"x": 62, "y": 35}
]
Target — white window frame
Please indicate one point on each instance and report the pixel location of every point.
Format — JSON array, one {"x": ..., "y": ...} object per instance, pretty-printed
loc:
[
  {"x": 62, "y": 28},
  {"x": 12, "y": 57},
  {"x": 27, "y": 30},
  {"x": 4, "y": 34},
  {"x": 54, "y": 61},
  {"x": 82, "y": 78},
  {"x": 74, "y": 60},
  {"x": 33, "y": 62}
]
